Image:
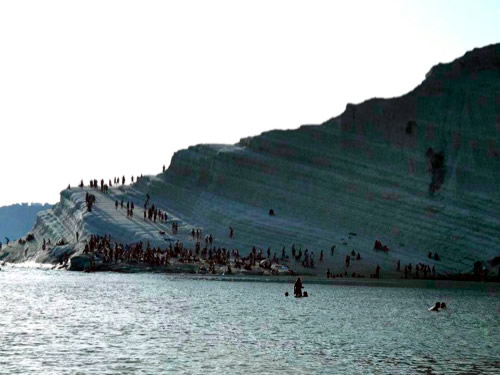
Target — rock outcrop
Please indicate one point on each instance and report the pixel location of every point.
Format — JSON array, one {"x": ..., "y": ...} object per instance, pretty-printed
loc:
[{"x": 419, "y": 172}]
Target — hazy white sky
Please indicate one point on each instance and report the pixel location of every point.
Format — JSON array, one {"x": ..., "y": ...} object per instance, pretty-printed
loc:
[{"x": 97, "y": 89}]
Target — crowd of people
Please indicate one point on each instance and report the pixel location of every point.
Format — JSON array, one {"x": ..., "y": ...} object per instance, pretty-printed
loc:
[
  {"x": 140, "y": 252},
  {"x": 104, "y": 250},
  {"x": 421, "y": 270},
  {"x": 107, "y": 251},
  {"x": 153, "y": 213}
]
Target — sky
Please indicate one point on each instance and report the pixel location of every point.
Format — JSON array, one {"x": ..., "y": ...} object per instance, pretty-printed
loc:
[{"x": 98, "y": 89}]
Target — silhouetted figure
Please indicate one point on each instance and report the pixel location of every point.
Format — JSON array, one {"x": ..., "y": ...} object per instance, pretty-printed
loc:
[
  {"x": 231, "y": 232},
  {"x": 89, "y": 200},
  {"x": 271, "y": 212},
  {"x": 77, "y": 236},
  {"x": 297, "y": 288}
]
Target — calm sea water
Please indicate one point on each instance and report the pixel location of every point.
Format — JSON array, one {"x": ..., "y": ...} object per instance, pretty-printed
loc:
[{"x": 67, "y": 323}]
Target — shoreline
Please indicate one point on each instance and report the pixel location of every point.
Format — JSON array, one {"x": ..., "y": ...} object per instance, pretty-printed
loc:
[{"x": 437, "y": 283}]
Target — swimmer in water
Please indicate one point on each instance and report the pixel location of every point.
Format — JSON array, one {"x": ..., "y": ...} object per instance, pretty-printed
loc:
[
  {"x": 435, "y": 307},
  {"x": 443, "y": 305}
]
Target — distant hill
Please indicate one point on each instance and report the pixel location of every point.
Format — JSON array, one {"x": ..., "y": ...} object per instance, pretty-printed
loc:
[{"x": 17, "y": 219}]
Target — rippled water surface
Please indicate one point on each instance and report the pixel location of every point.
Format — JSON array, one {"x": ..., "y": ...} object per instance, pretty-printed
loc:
[{"x": 64, "y": 322}]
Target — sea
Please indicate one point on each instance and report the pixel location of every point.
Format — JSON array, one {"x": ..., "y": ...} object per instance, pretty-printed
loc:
[{"x": 59, "y": 322}]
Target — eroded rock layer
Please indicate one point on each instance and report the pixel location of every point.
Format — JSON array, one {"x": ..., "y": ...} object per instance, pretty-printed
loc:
[{"x": 420, "y": 172}]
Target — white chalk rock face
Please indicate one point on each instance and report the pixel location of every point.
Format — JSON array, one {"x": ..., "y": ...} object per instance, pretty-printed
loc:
[{"x": 420, "y": 173}]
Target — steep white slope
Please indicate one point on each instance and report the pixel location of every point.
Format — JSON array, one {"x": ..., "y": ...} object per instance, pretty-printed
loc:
[{"x": 419, "y": 172}]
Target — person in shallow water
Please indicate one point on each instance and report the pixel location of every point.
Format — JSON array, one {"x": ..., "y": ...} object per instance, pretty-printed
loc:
[{"x": 297, "y": 288}]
